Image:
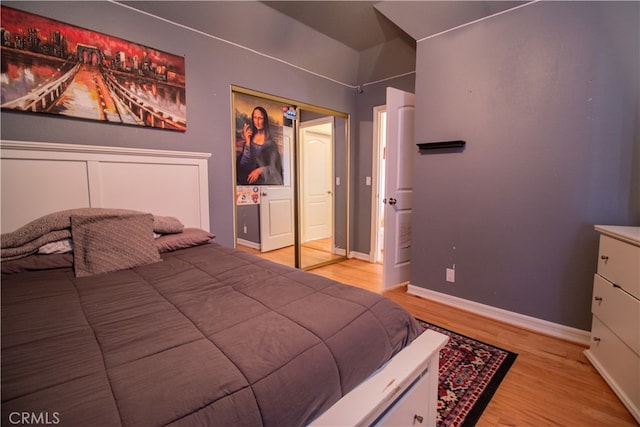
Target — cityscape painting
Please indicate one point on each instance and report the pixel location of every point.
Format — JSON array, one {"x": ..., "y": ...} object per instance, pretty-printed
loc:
[{"x": 55, "y": 68}]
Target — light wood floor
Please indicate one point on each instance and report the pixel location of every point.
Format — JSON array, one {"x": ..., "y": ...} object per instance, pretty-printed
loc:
[
  {"x": 313, "y": 253},
  {"x": 551, "y": 382}
]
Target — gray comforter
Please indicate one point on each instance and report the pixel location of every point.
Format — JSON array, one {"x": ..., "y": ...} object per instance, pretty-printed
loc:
[{"x": 209, "y": 336}]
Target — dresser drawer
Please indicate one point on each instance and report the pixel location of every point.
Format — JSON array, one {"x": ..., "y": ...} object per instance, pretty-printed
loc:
[
  {"x": 617, "y": 363},
  {"x": 619, "y": 311},
  {"x": 619, "y": 262}
]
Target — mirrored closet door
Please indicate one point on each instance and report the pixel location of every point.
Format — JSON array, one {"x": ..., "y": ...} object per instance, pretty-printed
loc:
[{"x": 291, "y": 168}]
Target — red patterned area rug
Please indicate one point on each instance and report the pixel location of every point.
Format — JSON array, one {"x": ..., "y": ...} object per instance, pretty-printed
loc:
[{"x": 470, "y": 373}]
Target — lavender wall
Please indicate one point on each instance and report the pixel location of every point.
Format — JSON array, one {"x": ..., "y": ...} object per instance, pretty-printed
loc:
[
  {"x": 546, "y": 97},
  {"x": 212, "y": 66},
  {"x": 370, "y": 96}
]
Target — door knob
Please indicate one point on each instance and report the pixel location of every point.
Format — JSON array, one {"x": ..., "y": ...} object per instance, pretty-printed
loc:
[
  {"x": 329, "y": 192},
  {"x": 392, "y": 201}
]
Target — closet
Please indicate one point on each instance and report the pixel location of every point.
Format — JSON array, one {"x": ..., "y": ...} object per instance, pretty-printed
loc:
[{"x": 291, "y": 163}]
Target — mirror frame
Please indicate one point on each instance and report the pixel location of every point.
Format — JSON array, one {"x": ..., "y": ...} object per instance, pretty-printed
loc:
[{"x": 296, "y": 169}]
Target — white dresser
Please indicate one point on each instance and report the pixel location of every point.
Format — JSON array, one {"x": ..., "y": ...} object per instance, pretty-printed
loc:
[{"x": 615, "y": 329}]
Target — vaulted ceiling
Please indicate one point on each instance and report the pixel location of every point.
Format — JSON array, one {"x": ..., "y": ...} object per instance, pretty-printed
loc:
[
  {"x": 365, "y": 24},
  {"x": 356, "y": 24},
  {"x": 374, "y": 40}
]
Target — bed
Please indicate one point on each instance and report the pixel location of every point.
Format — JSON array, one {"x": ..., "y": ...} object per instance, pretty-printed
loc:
[{"x": 142, "y": 319}]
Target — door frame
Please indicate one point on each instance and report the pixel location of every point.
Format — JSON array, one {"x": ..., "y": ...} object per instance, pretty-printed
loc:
[{"x": 376, "y": 175}]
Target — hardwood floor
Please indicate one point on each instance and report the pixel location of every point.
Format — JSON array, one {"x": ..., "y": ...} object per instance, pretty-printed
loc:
[
  {"x": 313, "y": 253},
  {"x": 551, "y": 382}
]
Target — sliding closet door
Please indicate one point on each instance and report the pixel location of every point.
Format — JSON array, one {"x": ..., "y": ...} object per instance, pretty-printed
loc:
[
  {"x": 263, "y": 141},
  {"x": 291, "y": 186}
]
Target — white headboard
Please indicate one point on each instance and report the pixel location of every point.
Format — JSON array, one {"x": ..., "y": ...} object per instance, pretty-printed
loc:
[{"x": 40, "y": 178}]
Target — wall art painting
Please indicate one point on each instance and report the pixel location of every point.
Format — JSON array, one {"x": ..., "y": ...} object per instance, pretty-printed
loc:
[
  {"x": 262, "y": 140},
  {"x": 55, "y": 68}
]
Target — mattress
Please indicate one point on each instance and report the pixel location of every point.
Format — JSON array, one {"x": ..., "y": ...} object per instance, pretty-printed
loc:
[{"x": 210, "y": 335}]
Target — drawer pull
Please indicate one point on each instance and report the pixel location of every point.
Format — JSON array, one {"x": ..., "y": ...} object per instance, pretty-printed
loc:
[
  {"x": 599, "y": 299},
  {"x": 418, "y": 418},
  {"x": 605, "y": 258},
  {"x": 596, "y": 339}
]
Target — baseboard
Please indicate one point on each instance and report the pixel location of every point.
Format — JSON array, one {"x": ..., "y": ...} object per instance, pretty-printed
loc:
[
  {"x": 545, "y": 327},
  {"x": 252, "y": 245},
  {"x": 359, "y": 255}
]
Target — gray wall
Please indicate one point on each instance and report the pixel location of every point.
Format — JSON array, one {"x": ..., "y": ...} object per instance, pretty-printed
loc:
[
  {"x": 371, "y": 95},
  {"x": 248, "y": 216},
  {"x": 263, "y": 29},
  {"x": 546, "y": 97},
  {"x": 212, "y": 66}
]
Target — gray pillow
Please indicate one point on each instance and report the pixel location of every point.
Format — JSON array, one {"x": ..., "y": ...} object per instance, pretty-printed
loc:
[
  {"x": 167, "y": 224},
  {"x": 188, "y": 238},
  {"x": 104, "y": 243}
]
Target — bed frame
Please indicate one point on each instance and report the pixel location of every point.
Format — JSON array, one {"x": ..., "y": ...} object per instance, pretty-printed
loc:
[{"x": 40, "y": 178}]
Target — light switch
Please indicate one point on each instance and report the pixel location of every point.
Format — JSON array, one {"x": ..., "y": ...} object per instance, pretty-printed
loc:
[
  {"x": 451, "y": 275},
  {"x": 368, "y": 181}
]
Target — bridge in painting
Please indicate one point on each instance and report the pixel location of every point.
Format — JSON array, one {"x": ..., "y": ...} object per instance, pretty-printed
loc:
[
  {"x": 42, "y": 98},
  {"x": 131, "y": 107},
  {"x": 145, "y": 112}
]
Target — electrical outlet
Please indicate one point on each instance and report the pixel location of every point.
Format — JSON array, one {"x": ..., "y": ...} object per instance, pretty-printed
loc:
[{"x": 451, "y": 275}]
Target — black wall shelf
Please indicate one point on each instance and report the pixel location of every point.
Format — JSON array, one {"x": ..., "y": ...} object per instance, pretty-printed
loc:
[{"x": 441, "y": 144}]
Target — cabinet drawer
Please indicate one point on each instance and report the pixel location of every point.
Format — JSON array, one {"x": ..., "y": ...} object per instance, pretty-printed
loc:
[
  {"x": 619, "y": 262},
  {"x": 616, "y": 362},
  {"x": 618, "y": 310}
]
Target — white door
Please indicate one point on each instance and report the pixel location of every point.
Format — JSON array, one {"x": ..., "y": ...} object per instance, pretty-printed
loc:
[
  {"x": 276, "y": 204},
  {"x": 316, "y": 152},
  {"x": 401, "y": 149}
]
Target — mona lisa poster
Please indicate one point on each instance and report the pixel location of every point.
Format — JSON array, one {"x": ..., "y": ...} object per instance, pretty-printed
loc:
[{"x": 262, "y": 145}]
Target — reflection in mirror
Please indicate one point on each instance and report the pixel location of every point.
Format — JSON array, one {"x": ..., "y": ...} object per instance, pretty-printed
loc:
[
  {"x": 291, "y": 180},
  {"x": 322, "y": 200}
]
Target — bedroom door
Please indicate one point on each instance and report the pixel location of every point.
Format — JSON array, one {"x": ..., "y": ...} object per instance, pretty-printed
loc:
[
  {"x": 323, "y": 207},
  {"x": 276, "y": 208},
  {"x": 316, "y": 186},
  {"x": 399, "y": 186},
  {"x": 276, "y": 218}
]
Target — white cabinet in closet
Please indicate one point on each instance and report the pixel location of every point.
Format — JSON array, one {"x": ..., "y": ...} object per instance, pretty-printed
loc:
[{"x": 615, "y": 309}]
